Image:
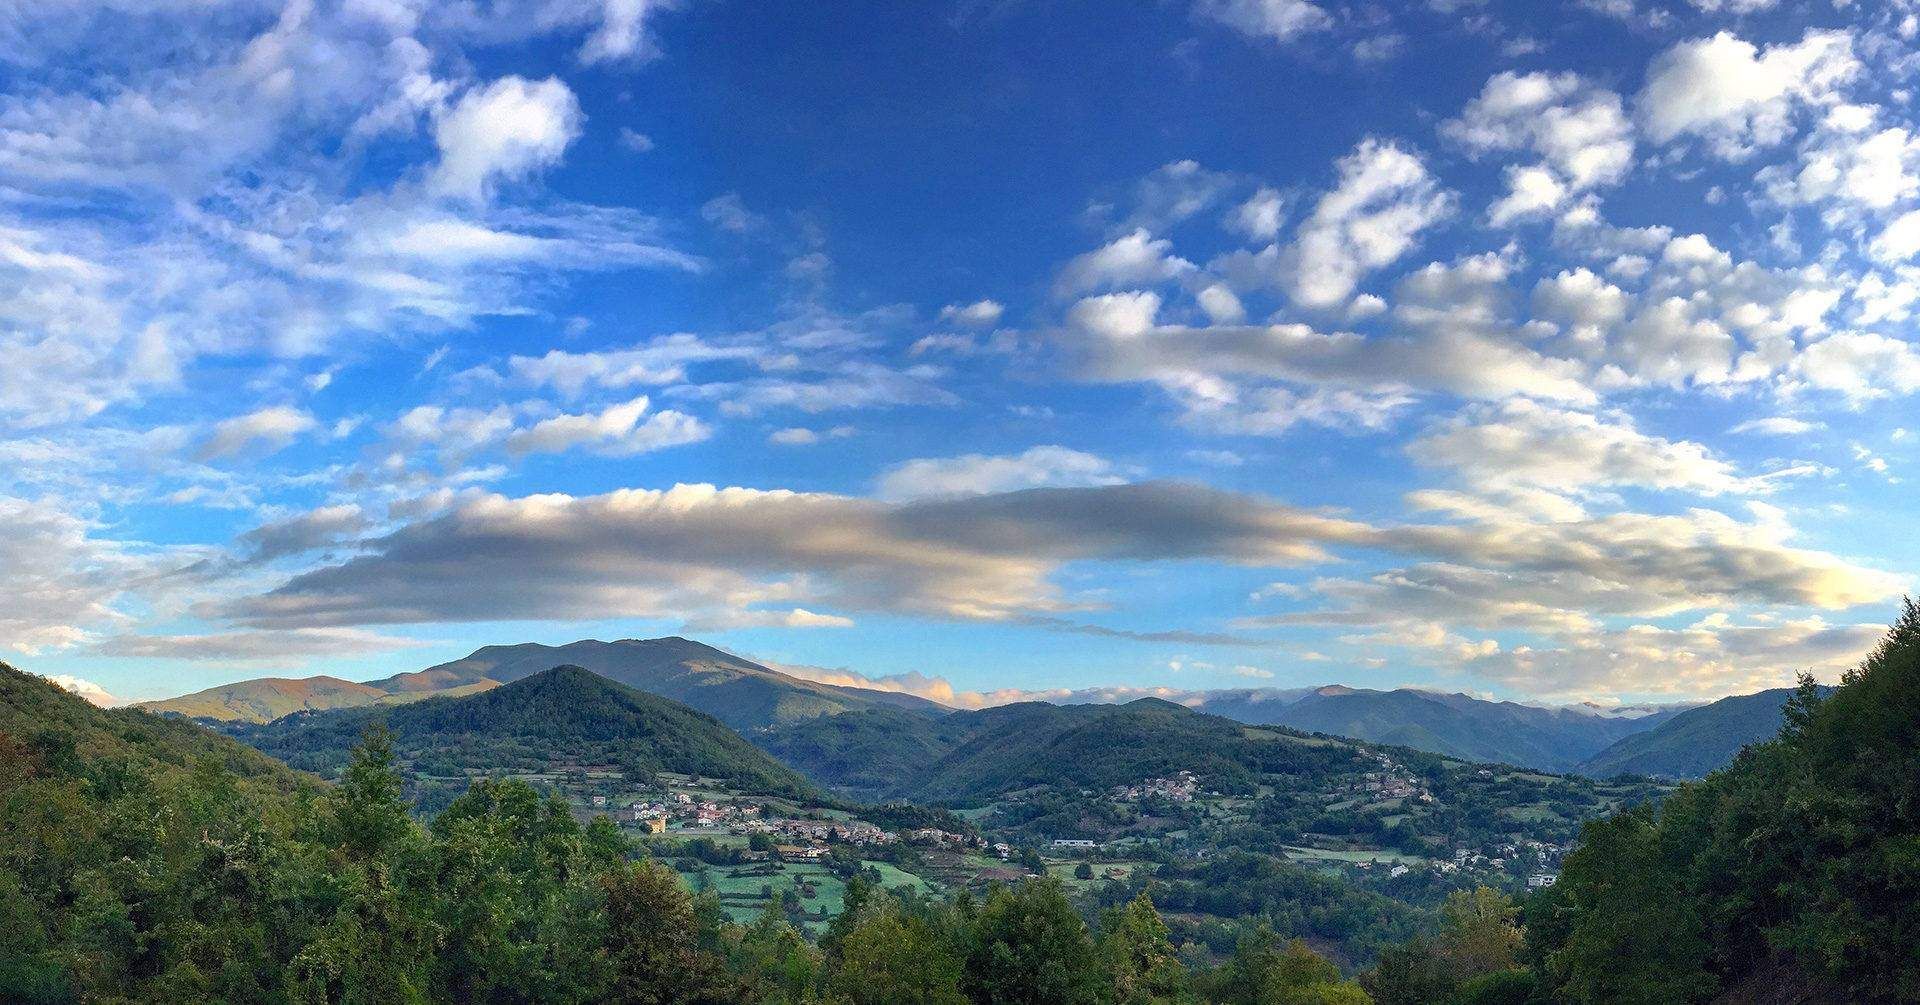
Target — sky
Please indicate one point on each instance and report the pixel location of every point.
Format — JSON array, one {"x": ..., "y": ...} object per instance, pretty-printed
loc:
[{"x": 1550, "y": 350}]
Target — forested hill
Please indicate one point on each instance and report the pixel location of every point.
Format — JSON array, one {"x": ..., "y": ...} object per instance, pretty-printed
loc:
[
  {"x": 559, "y": 717},
  {"x": 1100, "y": 746},
  {"x": 1695, "y": 742},
  {"x": 1792, "y": 875},
  {"x": 49, "y": 734}
]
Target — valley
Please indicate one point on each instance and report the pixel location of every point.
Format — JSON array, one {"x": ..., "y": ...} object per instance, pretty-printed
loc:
[{"x": 1109, "y": 798}]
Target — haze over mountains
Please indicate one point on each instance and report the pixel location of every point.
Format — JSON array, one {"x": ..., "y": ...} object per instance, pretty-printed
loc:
[{"x": 865, "y": 738}]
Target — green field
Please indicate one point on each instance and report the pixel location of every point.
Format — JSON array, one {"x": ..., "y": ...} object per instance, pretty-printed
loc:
[{"x": 1323, "y": 855}]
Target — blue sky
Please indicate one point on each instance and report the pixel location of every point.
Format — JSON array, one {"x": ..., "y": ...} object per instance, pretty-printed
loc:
[{"x": 1552, "y": 351}]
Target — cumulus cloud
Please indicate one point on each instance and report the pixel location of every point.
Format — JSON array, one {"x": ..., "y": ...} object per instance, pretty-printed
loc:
[
  {"x": 979, "y": 314},
  {"x": 1136, "y": 259},
  {"x": 1737, "y": 96},
  {"x": 1581, "y": 134},
  {"x": 1384, "y": 200},
  {"x": 980, "y": 474},
  {"x": 503, "y": 131},
  {"x": 93, "y": 693},
  {"x": 1522, "y": 443}
]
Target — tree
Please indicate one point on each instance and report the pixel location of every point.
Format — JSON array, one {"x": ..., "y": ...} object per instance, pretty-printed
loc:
[
  {"x": 1263, "y": 973},
  {"x": 368, "y": 817},
  {"x": 1139, "y": 960},
  {"x": 1029, "y": 947},
  {"x": 1632, "y": 939},
  {"x": 652, "y": 941},
  {"x": 1083, "y": 871},
  {"x": 889, "y": 958},
  {"x": 1478, "y": 935}
]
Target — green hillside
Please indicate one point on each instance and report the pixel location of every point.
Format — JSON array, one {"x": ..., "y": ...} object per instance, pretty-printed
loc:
[
  {"x": 564, "y": 716},
  {"x": 866, "y": 753},
  {"x": 1694, "y": 742},
  {"x": 1100, "y": 746}
]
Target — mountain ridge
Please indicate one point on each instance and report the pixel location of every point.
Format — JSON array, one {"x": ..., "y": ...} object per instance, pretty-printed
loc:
[{"x": 563, "y": 715}]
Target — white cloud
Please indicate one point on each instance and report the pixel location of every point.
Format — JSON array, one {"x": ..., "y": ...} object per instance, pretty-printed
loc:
[
  {"x": 1580, "y": 132},
  {"x": 62, "y": 582},
  {"x": 980, "y": 474},
  {"x": 267, "y": 429},
  {"x": 1708, "y": 659},
  {"x": 616, "y": 431},
  {"x": 1384, "y": 200},
  {"x": 1521, "y": 443},
  {"x": 1777, "y": 425},
  {"x": 1260, "y": 216},
  {"x": 1274, "y": 20},
  {"x": 1136, "y": 259},
  {"x": 506, "y": 130},
  {"x": 622, "y": 30},
  {"x": 979, "y": 314},
  {"x": 730, "y": 213},
  {"x": 1737, "y": 96},
  {"x": 634, "y": 140},
  {"x": 93, "y": 693},
  {"x": 800, "y": 436}
]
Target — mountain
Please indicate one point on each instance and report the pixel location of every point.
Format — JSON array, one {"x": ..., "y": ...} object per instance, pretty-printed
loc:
[
  {"x": 971, "y": 756},
  {"x": 269, "y": 698},
  {"x": 739, "y": 692},
  {"x": 1694, "y": 742},
  {"x": 1083, "y": 747},
  {"x": 562, "y": 717},
  {"x": 1545, "y": 737},
  {"x": 1458, "y": 725}
]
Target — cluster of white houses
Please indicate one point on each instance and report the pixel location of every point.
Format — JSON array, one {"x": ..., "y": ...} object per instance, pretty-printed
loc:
[{"x": 1181, "y": 788}]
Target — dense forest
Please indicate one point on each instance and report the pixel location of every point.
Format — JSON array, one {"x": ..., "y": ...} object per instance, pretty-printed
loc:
[{"x": 143, "y": 860}]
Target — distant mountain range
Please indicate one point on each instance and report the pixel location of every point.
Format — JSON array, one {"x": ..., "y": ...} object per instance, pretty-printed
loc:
[
  {"x": 562, "y": 717},
  {"x": 738, "y": 692},
  {"x": 1457, "y": 725},
  {"x": 865, "y": 739}
]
